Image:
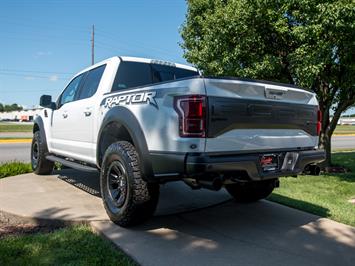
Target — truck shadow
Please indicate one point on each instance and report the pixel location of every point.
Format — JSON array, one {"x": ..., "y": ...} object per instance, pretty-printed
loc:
[
  {"x": 261, "y": 233},
  {"x": 86, "y": 181}
]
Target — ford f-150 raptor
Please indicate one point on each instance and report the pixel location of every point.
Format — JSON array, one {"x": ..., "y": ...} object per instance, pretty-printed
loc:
[{"x": 143, "y": 122}]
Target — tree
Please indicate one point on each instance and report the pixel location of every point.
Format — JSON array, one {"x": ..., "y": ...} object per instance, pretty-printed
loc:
[
  {"x": 309, "y": 43},
  {"x": 9, "y": 108}
]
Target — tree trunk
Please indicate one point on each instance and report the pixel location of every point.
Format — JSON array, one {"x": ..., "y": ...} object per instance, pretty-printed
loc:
[
  {"x": 325, "y": 137},
  {"x": 325, "y": 143}
]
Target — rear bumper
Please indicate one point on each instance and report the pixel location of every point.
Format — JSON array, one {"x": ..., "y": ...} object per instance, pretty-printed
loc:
[{"x": 204, "y": 163}]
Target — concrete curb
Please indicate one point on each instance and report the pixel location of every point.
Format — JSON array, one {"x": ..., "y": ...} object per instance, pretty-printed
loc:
[{"x": 15, "y": 140}]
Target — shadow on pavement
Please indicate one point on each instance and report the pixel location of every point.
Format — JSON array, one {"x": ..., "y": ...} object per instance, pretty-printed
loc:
[
  {"x": 262, "y": 233},
  {"x": 88, "y": 182}
]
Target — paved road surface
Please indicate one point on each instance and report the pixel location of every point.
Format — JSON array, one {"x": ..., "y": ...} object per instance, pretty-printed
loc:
[
  {"x": 15, "y": 151},
  {"x": 262, "y": 233},
  {"x": 19, "y": 135},
  {"x": 343, "y": 142},
  {"x": 21, "y": 151}
]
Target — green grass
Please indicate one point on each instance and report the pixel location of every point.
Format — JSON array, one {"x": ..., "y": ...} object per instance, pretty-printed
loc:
[
  {"x": 14, "y": 168},
  {"x": 344, "y": 129},
  {"x": 69, "y": 246},
  {"x": 326, "y": 195},
  {"x": 6, "y": 127}
]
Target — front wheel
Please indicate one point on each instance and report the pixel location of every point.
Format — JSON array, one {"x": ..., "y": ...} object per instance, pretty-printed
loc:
[
  {"x": 40, "y": 165},
  {"x": 127, "y": 198},
  {"x": 251, "y": 191}
]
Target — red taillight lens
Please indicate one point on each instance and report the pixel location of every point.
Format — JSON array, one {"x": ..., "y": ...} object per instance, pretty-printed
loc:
[
  {"x": 319, "y": 122},
  {"x": 192, "y": 115}
]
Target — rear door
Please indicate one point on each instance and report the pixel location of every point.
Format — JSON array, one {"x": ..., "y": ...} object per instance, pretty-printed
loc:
[{"x": 246, "y": 116}]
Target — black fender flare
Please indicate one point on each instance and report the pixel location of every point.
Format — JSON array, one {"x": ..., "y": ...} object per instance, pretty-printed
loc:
[
  {"x": 38, "y": 123},
  {"x": 126, "y": 118}
]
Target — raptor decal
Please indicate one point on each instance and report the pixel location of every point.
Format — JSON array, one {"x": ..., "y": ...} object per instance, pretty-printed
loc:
[{"x": 147, "y": 97}]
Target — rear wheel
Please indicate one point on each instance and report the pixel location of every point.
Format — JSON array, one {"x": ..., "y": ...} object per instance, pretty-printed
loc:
[
  {"x": 40, "y": 165},
  {"x": 127, "y": 198},
  {"x": 251, "y": 191}
]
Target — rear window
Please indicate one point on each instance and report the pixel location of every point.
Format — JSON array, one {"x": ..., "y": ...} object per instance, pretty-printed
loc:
[{"x": 135, "y": 74}]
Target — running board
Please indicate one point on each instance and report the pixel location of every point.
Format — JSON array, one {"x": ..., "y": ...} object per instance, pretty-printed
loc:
[{"x": 71, "y": 164}]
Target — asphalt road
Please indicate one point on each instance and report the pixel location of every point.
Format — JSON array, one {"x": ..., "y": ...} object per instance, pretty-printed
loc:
[
  {"x": 343, "y": 142},
  {"x": 15, "y": 152},
  {"x": 21, "y": 151}
]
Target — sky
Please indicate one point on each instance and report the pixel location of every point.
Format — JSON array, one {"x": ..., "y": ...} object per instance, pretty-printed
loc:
[{"x": 44, "y": 43}]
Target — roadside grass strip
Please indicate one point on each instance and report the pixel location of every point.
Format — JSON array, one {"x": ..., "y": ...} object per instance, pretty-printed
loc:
[
  {"x": 76, "y": 245},
  {"x": 14, "y": 168},
  {"x": 6, "y": 127},
  {"x": 344, "y": 130},
  {"x": 330, "y": 195}
]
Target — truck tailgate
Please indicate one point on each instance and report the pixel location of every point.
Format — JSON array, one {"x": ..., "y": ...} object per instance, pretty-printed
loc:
[{"x": 252, "y": 116}]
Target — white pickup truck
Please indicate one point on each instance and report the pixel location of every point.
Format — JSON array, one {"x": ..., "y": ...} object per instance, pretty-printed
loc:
[{"x": 143, "y": 122}]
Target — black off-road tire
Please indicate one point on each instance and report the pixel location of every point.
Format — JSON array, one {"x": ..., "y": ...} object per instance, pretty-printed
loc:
[
  {"x": 134, "y": 200},
  {"x": 251, "y": 191},
  {"x": 40, "y": 165}
]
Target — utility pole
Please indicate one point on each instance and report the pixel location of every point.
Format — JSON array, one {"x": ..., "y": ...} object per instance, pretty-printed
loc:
[{"x": 93, "y": 45}]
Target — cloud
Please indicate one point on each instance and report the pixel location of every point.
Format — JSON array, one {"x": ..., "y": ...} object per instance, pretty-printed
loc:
[
  {"x": 29, "y": 78},
  {"x": 43, "y": 53},
  {"x": 53, "y": 78}
]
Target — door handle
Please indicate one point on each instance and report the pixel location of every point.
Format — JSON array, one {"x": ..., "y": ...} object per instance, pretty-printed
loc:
[
  {"x": 65, "y": 115},
  {"x": 88, "y": 111}
]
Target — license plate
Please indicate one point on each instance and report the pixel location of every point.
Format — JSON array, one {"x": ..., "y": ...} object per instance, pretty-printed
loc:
[{"x": 269, "y": 162}]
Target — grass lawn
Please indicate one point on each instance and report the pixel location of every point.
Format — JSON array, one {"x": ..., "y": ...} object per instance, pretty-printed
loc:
[
  {"x": 14, "y": 168},
  {"x": 76, "y": 245},
  {"x": 7, "y": 127},
  {"x": 326, "y": 195},
  {"x": 344, "y": 129}
]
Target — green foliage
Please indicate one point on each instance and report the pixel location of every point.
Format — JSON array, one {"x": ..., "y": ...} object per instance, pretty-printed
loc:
[
  {"x": 11, "y": 107},
  {"x": 70, "y": 246},
  {"x": 14, "y": 168},
  {"x": 310, "y": 43},
  {"x": 326, "y": 195},
  {"x": 8, "y": 127},
  {"x": 344, "y": 129}
]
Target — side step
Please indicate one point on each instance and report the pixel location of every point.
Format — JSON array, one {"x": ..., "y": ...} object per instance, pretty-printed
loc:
[{"x": 71, "y": 164}]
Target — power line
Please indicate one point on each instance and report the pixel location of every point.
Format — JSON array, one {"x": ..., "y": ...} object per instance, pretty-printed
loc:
[
  {"x": 137, "y": 43},
  {"x": 35, "y": 71},
  {"x": 54, "y": 77}
]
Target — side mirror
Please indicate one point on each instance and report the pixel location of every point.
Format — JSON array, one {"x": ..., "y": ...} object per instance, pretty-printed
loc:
[{"x": 46, "y": 101}]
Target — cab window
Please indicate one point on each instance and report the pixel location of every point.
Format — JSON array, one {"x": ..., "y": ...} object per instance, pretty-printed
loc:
[
  {"x": 71, "y": 90},
  {"x": 92, "y": 81}
]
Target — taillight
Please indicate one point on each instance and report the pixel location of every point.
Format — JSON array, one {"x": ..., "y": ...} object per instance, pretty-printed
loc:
[
  {"x": 319, "y": 122},
  {"x": 192, "y": 115}
]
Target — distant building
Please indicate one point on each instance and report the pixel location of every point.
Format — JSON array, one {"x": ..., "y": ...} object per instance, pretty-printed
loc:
[
  {"x": 24, "y": 115},
  {"x": 346, "y": 121}
]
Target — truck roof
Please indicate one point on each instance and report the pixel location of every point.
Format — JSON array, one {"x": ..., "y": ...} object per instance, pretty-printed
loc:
[{"x": 139, "y": 60}]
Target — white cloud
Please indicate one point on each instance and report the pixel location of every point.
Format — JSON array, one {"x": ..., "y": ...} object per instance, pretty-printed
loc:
[
  {"x": 29, "y": 78},
  {"x": 53, "y": 78},
  {"x": 43, "y": 53}
]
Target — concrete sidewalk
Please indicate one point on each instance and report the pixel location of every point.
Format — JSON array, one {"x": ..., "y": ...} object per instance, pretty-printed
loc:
[
  {"x": 19, "y": 135},
  {"x": 190, "y": 228}
]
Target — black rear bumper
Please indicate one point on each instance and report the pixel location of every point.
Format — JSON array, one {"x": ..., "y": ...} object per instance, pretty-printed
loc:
[{"x": 204, "y": 163}]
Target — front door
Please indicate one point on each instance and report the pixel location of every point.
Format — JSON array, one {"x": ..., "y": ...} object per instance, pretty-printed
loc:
[{"x": 73, "y": 122}]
